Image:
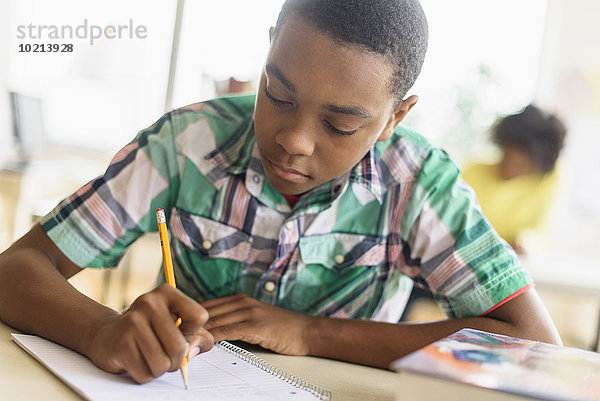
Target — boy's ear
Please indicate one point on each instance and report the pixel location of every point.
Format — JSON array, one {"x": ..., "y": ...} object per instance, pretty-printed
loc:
[
  {"x": 271, "y": 31},
  {"x": 399, "y": 113}
]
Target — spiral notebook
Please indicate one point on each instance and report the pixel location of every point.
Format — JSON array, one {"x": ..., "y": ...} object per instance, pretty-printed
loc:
[{"x": 227, "y": 372}]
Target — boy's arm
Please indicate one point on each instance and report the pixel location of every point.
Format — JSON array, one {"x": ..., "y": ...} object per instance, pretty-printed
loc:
[
  {"x": 361, "y": 341},
  {"x": 523, "y": 317},
  {"x": 36, "y": 297}
]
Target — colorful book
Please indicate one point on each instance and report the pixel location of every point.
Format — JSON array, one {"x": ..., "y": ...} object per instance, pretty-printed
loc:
[{"x": 477, "y": 365}]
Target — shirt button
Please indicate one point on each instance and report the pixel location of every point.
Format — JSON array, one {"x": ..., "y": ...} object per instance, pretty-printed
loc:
[
  {"x": 269, "y": 286},
  {"x": 339, "y": 259},
  {"x": 256, "y": 178},
  {"x": 206, "y": 244},
  {"x": 289, "y": 225}
]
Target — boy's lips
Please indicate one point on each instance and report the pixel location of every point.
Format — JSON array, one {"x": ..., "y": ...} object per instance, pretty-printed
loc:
[{"x": 286, "y": 173}]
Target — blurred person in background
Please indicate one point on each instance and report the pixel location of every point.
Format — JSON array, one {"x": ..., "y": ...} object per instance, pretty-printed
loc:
[{"x": 517, "y": 192}]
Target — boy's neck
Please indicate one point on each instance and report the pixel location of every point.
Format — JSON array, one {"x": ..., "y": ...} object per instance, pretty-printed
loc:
[{"x": 292, "y": 200}]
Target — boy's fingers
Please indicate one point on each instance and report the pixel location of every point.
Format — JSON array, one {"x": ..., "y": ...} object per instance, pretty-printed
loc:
[
  {"x": 154, "y": 355},
  {"x": 211, "y": 303},
  {"x": 136, "y": 365},
  {"x": 192, "y": 314},
  {"x": 202, "y": 341},
  {"x": 226, "y": 319},
  {"x": 157, "y": 345},
  {"x": 172, "y": 338},
  {"x": 172, "y": 344},
  {"x": 231, "y": 305},
  {"x": 234, "y": 332}
]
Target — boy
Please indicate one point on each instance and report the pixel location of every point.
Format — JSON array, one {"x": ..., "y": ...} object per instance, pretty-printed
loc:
[
  {"x": 515, "y": 193},
  {"x": 298, "y": 219}
]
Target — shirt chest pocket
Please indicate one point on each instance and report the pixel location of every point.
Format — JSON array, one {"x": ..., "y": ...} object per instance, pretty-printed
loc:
[
  {"x": 339, "y": 252},
  {"x": 215, "y": 240},
  {"x": 213, "y": 255},
  {"x": 338, "y": 275}
]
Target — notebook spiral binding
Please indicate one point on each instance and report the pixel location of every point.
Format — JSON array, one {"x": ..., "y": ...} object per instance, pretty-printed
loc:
[{"x": 320, "y": 392}]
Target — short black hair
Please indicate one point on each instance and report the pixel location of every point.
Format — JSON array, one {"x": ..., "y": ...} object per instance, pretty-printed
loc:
[
  {"x": 396, "y": 29},
  {"x": 539, "y": 134}
]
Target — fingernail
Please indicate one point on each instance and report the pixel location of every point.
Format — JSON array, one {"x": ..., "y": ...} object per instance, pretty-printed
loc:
[{"x": 195, "y": 351}]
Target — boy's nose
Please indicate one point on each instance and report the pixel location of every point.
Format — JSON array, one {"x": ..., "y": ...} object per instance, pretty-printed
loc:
[{"x": 298, "y": 141}]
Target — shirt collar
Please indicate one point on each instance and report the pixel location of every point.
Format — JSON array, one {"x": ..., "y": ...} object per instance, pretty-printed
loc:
[
  {"x": 235, "y": 153},
  {"x": 366, "y": 179}
]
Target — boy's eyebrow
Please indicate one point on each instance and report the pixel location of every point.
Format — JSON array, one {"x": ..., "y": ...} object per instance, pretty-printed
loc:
[
  {"x": 273, "y": 69},
  {"x": 357, "y": 111}
]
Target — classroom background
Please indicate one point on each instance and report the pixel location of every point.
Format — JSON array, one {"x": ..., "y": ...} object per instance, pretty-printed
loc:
[{"x": 74, "y": 110}]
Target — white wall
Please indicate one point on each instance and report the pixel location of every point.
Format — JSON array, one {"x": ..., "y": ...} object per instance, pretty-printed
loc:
[{"x": 569, "y": 84}]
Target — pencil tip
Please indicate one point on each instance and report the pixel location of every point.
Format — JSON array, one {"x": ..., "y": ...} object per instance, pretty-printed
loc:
[{"x": 184, "y": 374}]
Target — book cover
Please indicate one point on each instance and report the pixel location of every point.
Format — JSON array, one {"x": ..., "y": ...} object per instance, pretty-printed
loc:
[{"x": 527, "y": 369}]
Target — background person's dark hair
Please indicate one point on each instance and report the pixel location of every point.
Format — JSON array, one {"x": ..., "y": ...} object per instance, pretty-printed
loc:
[
  {"x": 538, "y": 134},
  {"x": 396, "y": 29}
]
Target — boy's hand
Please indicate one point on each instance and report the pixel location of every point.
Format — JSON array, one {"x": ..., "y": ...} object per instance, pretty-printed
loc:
[
  {"x": 240, "y": 317},
  {"x": 145, "y": 342}
]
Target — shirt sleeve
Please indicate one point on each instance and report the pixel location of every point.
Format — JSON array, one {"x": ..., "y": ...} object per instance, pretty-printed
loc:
[
  {"x": 94, "y": 226},
  {"x": 451, "y": 249}
]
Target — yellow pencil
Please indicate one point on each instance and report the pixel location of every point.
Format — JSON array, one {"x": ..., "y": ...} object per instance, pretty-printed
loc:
[{"x": 169, "y": 274}]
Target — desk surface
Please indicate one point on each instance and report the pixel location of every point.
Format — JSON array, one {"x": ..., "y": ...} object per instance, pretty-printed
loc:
[{"x": 23, "y": 378}]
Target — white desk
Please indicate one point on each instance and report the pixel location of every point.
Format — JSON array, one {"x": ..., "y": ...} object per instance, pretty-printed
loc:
[{"x": 23, "y": 378}]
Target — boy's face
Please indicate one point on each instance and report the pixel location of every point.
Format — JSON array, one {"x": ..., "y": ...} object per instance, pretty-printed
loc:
[
  {"x": 516, "y": 163},
  {"x": 320, "y": 107}
]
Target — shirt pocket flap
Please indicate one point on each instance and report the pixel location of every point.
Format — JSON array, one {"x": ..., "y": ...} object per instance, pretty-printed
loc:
[
  {"x": 341, "y": 251},
  {"x": 210, "y": 238}
]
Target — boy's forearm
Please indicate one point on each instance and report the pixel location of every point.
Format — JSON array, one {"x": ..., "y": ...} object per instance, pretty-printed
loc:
[
  {"x": 36, "y": 298},
  {"x": 378, "y": 344}
]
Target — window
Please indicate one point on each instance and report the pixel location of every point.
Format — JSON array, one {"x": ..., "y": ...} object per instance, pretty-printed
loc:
[
  {"x": 105, "y": 90},
  {"x": 221, "y": 40},
  {"x": 482, "y": 62}
]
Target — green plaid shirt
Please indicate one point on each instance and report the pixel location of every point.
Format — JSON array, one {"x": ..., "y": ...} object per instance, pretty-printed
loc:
[{"x": 351, "y": 248}]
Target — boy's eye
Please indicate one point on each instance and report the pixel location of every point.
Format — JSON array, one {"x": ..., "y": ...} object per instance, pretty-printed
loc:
[
  {"x": 274, "y": 100},
  {"x": 338, "y": 131},
  {"x": 282, "y": 103}
]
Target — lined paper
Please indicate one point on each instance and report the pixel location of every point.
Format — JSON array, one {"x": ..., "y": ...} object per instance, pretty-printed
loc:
[{"x": 214, "y": 375}]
